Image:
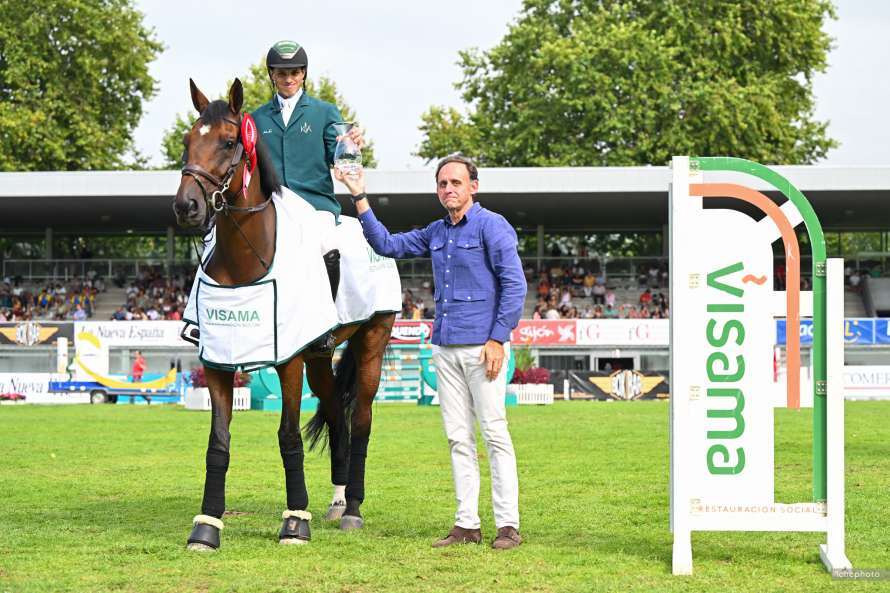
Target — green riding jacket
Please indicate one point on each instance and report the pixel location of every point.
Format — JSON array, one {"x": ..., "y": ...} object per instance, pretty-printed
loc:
[{"x": 303, "y": 151}]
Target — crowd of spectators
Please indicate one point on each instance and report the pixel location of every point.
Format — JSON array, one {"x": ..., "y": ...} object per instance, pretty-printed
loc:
[
  {"x": 853, "y": 277},
  {"x": 154, "y": 296},
  {"x": 413, "y": 307},
  {"x": 54, "y": 301},
  {"x": 575, "y": 292},
  {"x": 651, "y": 305},
  {"x": 564, "y": 290}
]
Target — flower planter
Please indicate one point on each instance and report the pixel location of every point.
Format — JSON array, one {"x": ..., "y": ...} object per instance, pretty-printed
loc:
[
  {"x": 531, "y": 393},
  {"x": 198, "y": 398}
]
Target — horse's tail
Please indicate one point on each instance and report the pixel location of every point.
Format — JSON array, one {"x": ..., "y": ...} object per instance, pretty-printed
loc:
[{"x": 345, "y": 392}]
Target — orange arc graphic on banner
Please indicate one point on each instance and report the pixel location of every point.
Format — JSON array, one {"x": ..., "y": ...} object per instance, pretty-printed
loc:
[
  {"x": 117, "y": 383},
  {"x": 792, "y": 264}
]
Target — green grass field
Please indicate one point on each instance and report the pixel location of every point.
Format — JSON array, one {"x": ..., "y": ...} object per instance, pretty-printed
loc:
[{"x": 100, "y": 498}]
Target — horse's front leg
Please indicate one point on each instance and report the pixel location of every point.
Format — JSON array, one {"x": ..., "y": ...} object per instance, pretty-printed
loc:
[
  {"x": 207, "y": 525},
  {"x": 295, "y": 525}
]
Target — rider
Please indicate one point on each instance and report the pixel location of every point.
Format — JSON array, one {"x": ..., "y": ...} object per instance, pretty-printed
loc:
[{"x": 298, "y": 131}]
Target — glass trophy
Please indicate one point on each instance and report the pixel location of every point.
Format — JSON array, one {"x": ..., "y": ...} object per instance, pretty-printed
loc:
[{"x": 347, "y": 155}]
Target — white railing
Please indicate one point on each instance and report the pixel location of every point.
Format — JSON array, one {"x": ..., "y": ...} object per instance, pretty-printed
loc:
[
  {"x": 66, "y": 269},
  {"x": 532, "y": 393}
]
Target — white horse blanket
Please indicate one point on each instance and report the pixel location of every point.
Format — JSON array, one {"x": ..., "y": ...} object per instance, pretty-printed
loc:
[{"x": 273, "y": 319}]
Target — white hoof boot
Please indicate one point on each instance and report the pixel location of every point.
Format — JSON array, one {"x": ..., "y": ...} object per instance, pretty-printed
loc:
[{"x": 195, "y": 547}]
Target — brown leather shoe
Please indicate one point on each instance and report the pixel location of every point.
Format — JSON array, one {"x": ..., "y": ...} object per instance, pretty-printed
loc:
[
  {"x": 507, "y": 538},
  {"x": 459, "y": 535}
]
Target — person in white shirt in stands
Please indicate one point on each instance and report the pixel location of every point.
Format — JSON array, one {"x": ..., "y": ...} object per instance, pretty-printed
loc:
[{"x": 551, "y": 313}]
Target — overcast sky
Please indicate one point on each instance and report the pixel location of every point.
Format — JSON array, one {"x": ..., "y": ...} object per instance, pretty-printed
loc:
[{"x": 392, "y": 60}]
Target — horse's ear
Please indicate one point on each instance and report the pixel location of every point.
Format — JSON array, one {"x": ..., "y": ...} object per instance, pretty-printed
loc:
[
  {"x": 236, "y": 96},
  {"x": 198, "y": 99}
]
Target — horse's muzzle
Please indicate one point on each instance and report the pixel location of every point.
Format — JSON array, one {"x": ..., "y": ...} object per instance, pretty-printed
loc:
[
  {"x": 187, "y": 207},
  {"x": 187, "y": 213}
]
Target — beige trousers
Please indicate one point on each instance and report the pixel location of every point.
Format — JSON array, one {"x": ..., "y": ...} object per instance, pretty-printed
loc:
[{"x": 466, "y": 395}]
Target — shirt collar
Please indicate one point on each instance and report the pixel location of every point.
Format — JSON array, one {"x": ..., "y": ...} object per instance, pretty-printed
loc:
[
  {"x": 292, "y": 102},
  {"x": 474, "y": 209}
]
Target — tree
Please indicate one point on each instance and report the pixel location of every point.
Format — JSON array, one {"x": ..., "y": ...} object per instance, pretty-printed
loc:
[
  {"x": 257, "y": 91},
  {"x": 73, "y": 81},
  {"x": 633, "y": 82}
]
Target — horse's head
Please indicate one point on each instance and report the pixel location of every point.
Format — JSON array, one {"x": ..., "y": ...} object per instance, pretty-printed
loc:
[{"x": 213, "y": 158}]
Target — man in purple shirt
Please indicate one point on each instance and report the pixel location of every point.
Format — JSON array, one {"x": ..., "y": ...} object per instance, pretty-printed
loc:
[{"x": 479, "y": 292}]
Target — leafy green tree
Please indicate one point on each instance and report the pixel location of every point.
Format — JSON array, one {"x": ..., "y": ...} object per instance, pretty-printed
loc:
[
  {"x": 73, "y": 81},
  {"x": 632, "y": 82},
  {"x": 257, "y": 91}
]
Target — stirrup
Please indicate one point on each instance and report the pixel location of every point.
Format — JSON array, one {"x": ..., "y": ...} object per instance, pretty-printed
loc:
[{"x": 332, "y": 265}]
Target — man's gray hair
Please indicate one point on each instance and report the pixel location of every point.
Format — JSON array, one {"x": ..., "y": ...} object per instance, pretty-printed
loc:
[{"x": 459, "y": 158}]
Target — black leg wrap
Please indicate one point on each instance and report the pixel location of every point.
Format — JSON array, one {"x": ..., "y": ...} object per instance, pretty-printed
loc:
[
  {"x": 205, "y": 534},
  {"x": 294, "y": 479},
  {"x": 353, "y": 507},
  {"x": 214, "y": 503},
  {"x": 332, "y": 263},
  {"x": 355, "y": 487},
  {"x": 339, "y": 460}
]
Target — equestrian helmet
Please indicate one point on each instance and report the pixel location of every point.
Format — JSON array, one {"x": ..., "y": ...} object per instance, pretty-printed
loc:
[{"x": 286, "y": 54}]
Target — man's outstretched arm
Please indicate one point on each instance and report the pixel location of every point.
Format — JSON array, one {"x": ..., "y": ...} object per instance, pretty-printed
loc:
[{"x": 413, "y": 243}]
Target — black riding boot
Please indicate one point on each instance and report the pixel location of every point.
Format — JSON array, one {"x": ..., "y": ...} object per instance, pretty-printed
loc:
[
  {"x": 332, "y": 263},
  {"x": 328, "y": 342}
]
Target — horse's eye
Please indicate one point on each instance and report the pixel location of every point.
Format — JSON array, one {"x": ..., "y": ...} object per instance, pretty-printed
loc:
[{"x": 230, "y": 144}]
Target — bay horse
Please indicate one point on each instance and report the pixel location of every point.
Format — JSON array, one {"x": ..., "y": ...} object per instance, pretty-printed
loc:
[{"x": 245, "y": 227}]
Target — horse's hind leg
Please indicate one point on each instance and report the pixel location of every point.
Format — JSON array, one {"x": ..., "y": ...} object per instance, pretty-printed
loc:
[
  {"x": 207, "y": 525},
  {"x": 321, "y": 380},
  {"x": 368, "y": 346},
  {"x": 295, "y": 526}
]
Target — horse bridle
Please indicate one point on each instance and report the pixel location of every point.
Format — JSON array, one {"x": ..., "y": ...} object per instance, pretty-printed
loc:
[{"x": 217, "y": 200}]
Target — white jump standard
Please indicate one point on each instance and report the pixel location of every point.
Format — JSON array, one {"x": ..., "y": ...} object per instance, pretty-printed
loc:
[{"x": 722, "y": 335}]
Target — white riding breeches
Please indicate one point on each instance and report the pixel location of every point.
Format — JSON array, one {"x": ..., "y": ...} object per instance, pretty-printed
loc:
[{"x": 327, "y": 227}]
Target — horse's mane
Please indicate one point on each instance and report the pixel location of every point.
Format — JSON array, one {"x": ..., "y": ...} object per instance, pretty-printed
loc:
[{"x": 270, "y": 183}]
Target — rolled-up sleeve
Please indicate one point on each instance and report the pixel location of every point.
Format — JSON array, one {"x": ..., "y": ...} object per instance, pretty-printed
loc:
[
  {"x": 399, "y": 245},
  {"x": 503, "y": 257}
]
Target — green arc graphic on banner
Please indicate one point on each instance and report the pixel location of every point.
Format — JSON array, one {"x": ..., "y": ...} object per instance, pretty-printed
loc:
[{"x": 817, "y": 242}]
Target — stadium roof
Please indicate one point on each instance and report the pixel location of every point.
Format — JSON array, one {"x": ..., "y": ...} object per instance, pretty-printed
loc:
[{"x": 596, "y": 198}]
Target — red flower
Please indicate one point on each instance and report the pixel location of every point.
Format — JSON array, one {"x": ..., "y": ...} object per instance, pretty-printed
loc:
[
  {"x": 197, "y": 378},
  {"x": 533, "y": 375}
]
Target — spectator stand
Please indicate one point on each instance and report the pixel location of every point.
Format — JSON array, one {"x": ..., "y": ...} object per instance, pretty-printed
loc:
[{"x": 74, "y": 300}]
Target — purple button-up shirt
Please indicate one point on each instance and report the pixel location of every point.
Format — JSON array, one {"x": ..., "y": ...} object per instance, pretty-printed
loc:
[{"x": 480, "y": 287}]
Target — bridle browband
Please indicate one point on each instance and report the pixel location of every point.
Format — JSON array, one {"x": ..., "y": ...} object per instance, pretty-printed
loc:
[{"x": 217, "y": 200}]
